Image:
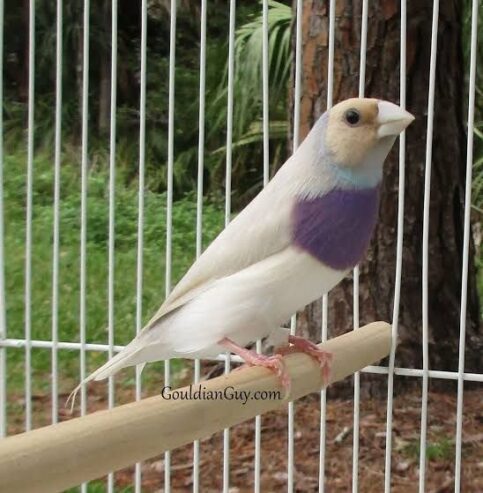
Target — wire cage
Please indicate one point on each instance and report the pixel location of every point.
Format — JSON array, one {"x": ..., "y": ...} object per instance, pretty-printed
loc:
[{"x": 27, "y": 410}]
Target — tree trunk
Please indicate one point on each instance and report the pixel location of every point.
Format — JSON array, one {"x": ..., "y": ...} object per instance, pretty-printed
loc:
[{"x": 377, "y": 271}]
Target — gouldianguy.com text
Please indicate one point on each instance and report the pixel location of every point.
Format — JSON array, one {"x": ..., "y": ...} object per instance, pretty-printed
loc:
[{"x": 201, "y": 392}]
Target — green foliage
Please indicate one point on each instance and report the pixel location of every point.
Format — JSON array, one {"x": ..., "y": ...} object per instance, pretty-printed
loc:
[
  {"x": 249, "y": 63},
  {"x": 126, "y": 214},
  {"x": 440, "y": 450},
  {"x": 247, "y": 91},
  {"x": 100, "y": 487},
  {"x": 247, "y": 132},
  {"x": 477, "y": 192},
  {"x": 477, "y": 183}
]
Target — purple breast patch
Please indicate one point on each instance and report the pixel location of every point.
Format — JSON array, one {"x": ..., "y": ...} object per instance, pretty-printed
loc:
[{"x": 336, "y": 228}]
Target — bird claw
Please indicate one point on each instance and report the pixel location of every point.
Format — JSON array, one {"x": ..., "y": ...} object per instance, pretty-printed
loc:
[
  {"x": 274, "y": 363},
  {"x": 299, "y": 344},
  {"x": 277, "y": 364}
]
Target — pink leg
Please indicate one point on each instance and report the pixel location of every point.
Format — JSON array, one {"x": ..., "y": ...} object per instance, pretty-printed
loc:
[
  {"x": 273, "y": 363},
  {"x": 299, "y": 344}
]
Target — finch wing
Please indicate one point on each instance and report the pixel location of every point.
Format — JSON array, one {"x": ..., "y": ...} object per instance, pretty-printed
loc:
[{"x": 262, "y": 229}]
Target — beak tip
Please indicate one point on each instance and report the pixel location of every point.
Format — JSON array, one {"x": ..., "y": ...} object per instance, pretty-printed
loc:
[
  {"x": 410, "y": 117},
  {"x": 392, "y": 119}
]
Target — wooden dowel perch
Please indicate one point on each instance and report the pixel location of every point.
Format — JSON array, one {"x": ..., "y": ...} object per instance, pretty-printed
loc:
[{"x": 63, "y": 455}]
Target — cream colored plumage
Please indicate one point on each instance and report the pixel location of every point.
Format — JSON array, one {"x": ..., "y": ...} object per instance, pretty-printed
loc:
[{"x": 253, "y": 277}]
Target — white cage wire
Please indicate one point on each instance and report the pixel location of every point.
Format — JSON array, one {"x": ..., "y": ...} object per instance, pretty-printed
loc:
[{"x": 27, "y": 343}]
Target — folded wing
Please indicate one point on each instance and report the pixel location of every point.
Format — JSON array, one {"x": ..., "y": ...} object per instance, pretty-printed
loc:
[{"x": 262, "y": 229}]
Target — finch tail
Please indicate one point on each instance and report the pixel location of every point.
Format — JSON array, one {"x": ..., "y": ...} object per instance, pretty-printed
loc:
[{"x": 121, "y": 360}]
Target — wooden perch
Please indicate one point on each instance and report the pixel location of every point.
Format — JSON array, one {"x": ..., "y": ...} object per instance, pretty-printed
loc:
[{"x": 60, "y": 456}]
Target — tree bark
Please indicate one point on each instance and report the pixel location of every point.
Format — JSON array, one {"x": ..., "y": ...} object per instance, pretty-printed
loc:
[{"x": 377, "y": 271}]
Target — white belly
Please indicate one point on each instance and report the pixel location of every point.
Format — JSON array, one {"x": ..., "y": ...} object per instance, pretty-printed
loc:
[{"x": 247, "y": 305}]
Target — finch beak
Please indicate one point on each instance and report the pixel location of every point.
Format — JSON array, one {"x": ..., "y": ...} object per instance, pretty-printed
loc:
[{"x": 392, "y": 119}]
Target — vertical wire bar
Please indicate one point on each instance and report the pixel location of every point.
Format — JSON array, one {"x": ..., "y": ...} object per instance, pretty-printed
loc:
[
  {"x": 466, "y": 242},
  {"x": 169, "y": 205},
  {"x": 357, "y": 377},
  {"x": 56, "y": 232},
  {"x": 323, "y": 409},
  {"x": 83, "y": 233},
  {"x": 298, "y": 75},
  {"x": 201, "y": 133},
  {"x": 169, "y": 188},
  {"x": 265, "y": 94},
  {"x": 28, "y": 221},
  {"x": 330, "y": 65},
  {"x": 196, "y": 443},
  {"x": 427, "y": 191},
  {"x": 229, "y": 153},
  {"x": 258, "y": 442},
  {"x": 112, "y": 206},
  {"x": 362, "y": 62},
  {"x": 325, "y": 300},
  {"x": 296, "y": 141},
  {"x": 226, "y": 442},
  {"x": 3, "y": 321},
  {"x": 229, "y": 115},
  {"x": 266, "y": 178},
  {"x": 399, "y": 251},
  {"x": 199, "y": 208},
  {"x": 140, "y": 246}
]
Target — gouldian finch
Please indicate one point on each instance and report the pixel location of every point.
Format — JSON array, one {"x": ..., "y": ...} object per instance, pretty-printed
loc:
[{"x": 296, "y": 240}]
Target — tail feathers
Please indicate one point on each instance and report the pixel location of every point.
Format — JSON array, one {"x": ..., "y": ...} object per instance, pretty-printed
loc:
[{"x": 121, "y": 360}]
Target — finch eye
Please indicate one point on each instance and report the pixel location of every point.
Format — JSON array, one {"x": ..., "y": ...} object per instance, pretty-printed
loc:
[{"x": 352, "y": 117}]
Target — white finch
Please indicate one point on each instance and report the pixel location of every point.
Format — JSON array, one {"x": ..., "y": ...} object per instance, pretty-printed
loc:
[{"x": 295, "y": 241}]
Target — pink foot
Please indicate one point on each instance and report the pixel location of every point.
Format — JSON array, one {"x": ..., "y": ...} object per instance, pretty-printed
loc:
[
  {"x": 274, "y": 363},
  {"x": 299, "y": 344}
]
